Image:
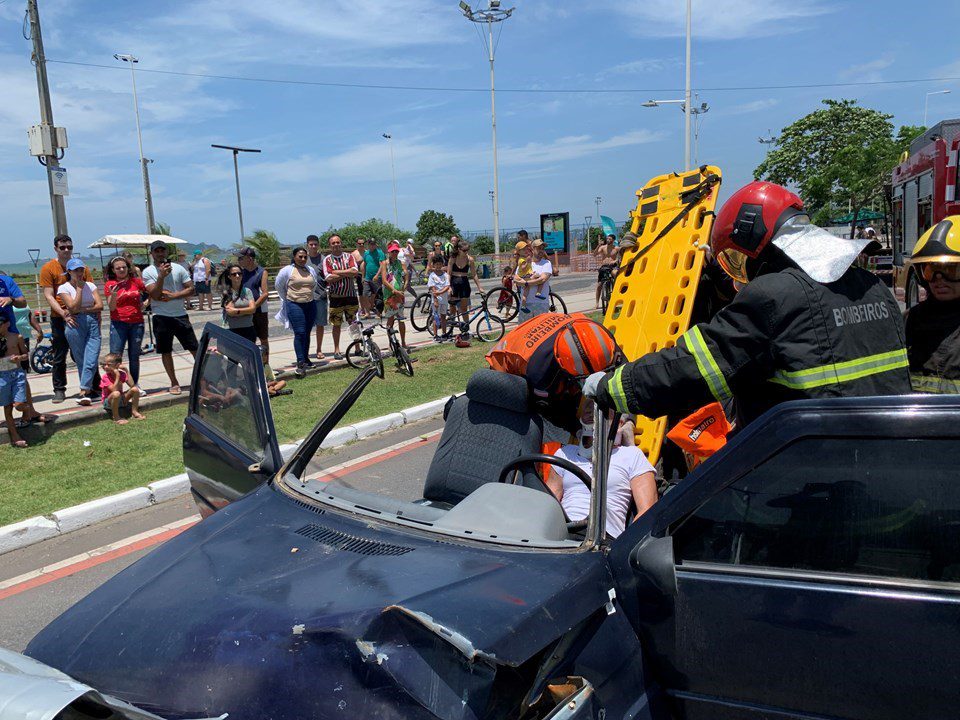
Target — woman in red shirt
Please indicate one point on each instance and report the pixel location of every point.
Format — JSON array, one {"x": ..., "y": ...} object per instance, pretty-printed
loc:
[{"x": 123, "y": 291}]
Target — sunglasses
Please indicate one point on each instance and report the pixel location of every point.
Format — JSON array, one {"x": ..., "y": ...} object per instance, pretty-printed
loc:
[
  {"x": 948, "y": 271},
  {"x": 64, "y": 247},
  {"x": 236, "y": 274}
]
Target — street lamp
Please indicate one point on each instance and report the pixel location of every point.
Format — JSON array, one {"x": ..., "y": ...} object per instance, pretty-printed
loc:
[
  {"x": 597, "y": 200},
  {"x": 236, "y": 175},
  {"x": 147, "y": 198},
  {"x": 393, "y": 172},
  {"x": 492, "y": 14},
  {"x": 926, "y": 100},
  {"x": 698, "y": 111},
  {"x": 35, "y": 259},
  {"x": 587, "y": 224}
]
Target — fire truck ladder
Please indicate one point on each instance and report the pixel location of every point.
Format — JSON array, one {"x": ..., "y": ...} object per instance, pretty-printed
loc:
[{"x": 653, "y": 293}]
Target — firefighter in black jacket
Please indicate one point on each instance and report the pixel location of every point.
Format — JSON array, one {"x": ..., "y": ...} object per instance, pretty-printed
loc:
[
  {"x": 805, "y": 324},
  {"x": 933, "y": 326}
]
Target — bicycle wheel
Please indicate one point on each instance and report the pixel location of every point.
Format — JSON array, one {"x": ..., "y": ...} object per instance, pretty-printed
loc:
[
  {"x": 507, "y": 309},
  {"x": 39, "y": 360},
  {"x": 421, "y": 313},
  {"x": 403, "y": 361},
  {"x": 377, "y": 358},
  {"x": 355, "y": 355},
  {"x": 557, "y": 304},
  {"x": 489, "y": 328},
  {"x": 605, "y": 290}
]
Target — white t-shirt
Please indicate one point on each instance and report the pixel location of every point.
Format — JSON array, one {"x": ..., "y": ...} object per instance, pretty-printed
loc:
[
  {"x": 626, "y": 463},
  {"x": 174, "y": 282},
  {"x": 542, "y": 267},
  {"x": 86, "y": 298},
  {"x": 438, "y": 281},
  {"x": 406, "y": 256}
]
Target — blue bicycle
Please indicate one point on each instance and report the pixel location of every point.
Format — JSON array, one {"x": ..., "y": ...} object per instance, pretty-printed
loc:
[{"x": 487, "y": 327}]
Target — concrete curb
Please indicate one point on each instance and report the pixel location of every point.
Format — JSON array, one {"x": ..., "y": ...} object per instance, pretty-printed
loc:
[{"x": 36, "y": 529}]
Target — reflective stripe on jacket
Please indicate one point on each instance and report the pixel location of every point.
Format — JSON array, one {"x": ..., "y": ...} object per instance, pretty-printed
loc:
[{"x": 784, "y": 337}]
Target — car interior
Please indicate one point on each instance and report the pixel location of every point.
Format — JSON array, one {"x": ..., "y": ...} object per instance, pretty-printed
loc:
[{"x": 470, "y": 489}]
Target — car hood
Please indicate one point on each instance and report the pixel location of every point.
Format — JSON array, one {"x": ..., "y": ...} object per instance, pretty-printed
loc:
[{"x": 273, "y": 608}]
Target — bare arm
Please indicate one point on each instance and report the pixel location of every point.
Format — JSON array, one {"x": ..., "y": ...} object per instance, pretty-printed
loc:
[
  {"x": 186, "y": 292},
  {"x": 263, "y": 291},
  {"x": 555, "y": 484},
  {"x": 644, "y": 489},
  {"x": 97, "y": 301},
  {"x": 473, "y": 271},
  {"x": 50, "y": 295}
]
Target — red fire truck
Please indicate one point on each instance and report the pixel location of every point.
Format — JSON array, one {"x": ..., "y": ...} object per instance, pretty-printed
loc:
[{"x": 923, "y": 191}]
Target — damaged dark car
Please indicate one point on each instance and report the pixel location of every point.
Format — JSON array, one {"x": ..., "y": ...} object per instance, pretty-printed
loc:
[{"x": 810, "y": 569}]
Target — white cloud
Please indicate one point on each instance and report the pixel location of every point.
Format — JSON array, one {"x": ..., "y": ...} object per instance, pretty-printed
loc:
[
  {"x": 636, "y": 67},
  {"x": 719, "y": 20},
  {"x": 751, "y": 107},
  {"x": 871, "y": 71}
]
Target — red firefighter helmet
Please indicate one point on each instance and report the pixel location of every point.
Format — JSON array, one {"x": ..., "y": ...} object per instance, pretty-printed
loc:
[{"x": 747, "y": 223}]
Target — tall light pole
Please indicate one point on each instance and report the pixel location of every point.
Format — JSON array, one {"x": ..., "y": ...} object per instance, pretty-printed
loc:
[
  {"x": 597, "y": 200},
  {"x": 393, "y": 172},
  {"x": 926, "y": 100},
  {"x": 493, "y": 201},
  {"x": 147, "y": 197},
  {"x": 492, "y": 14},
  {"x": 236, "y": 175},
  {"x": 686, "y": 94},
  {"x": 769, "y": 140},
  {"x": 587, "y": 224}
]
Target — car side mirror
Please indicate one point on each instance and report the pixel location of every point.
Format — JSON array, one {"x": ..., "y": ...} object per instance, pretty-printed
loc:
[{"x": 654, "y": 563}]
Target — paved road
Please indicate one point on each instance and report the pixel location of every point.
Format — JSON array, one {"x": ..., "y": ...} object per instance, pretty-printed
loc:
[{"x": 27, "y": 607}]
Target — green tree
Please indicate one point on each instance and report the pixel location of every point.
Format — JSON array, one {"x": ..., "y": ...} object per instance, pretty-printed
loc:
[
  {"x": 161, "y": 228},
  {"x": 380, "y": 230},
  {"x": 482, "y": 245},
  {"x": 435, "y": 225},
  {"x": 837, "y": 156},
  {"x": 266, "y": 245}
]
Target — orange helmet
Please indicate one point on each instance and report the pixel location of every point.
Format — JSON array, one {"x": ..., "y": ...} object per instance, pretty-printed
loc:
[{"x": 584, "y": 347}]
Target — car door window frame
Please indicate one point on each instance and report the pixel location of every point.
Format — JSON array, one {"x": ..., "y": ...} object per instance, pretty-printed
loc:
[{"x": 255, "y": 381}]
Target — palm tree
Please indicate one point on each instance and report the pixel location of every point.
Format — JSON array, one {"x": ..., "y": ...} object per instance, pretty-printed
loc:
[
  {"x": 266, "y": 245},
  {"x": 161, "y": 228}
]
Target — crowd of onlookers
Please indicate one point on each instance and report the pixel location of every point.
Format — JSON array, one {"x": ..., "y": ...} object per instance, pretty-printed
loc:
[{"x": 318, "y": 289}]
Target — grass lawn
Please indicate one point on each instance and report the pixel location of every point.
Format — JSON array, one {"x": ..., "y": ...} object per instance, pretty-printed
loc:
[{"x": 64, "y": 470}]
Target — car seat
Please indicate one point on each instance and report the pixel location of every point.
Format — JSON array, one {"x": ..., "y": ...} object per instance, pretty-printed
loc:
[{"x": 485, "y": 428}]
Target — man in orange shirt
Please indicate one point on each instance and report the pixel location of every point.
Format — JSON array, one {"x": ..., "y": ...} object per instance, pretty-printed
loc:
[{"x": 52, "y": 275}]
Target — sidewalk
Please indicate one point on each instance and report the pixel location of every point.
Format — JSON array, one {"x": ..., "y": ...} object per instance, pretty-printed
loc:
[{"x": 155, "y": 384}]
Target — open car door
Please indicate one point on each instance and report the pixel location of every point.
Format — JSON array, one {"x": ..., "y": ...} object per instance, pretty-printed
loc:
[{"x": 229, "y": 442}]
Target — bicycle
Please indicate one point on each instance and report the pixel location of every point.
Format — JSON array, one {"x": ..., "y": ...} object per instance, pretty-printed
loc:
[
  {"x": 507, "y": 303},
  {"x": 488, "y": 328},
  {"x": 606, "y": 278},
  {"x": 364, "y": 351},
  {"x": 399, "y": 352},
  {"x": 40, "y": 355}
]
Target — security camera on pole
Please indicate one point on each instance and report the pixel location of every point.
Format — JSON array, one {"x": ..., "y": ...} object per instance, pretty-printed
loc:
[{"x": 492, "y": 14}]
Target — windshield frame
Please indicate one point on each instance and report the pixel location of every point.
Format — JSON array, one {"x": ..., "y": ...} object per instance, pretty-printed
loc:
[{"x": 288, "y": 480}]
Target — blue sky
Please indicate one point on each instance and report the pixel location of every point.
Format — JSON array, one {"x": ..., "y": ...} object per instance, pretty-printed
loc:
[{"x": 324, "y": 161}]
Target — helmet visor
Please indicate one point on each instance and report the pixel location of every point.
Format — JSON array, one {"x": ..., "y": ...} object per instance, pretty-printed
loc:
[
  {"x": 734, "y": 264},
  {"x": 949, "y": 271}
]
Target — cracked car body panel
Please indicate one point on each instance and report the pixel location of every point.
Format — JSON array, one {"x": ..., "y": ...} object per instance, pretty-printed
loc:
[{"x": 247, "y": 624}]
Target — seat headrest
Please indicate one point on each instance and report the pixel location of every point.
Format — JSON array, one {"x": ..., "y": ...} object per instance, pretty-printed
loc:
[{"x": 499, "y": 389}]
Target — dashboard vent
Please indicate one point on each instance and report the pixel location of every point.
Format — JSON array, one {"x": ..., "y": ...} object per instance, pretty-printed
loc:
[{"x": 350, "y": 543}]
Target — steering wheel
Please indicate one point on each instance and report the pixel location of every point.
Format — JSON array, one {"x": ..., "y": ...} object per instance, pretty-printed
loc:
[{"x": 577, "y": 471}]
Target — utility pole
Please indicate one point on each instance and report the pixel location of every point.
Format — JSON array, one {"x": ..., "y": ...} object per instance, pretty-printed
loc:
[
  {"x": 147, "y": 198},
  {"x": 393, "y": 172},
  {"x": 769, "y": 140},
  {"x": 51, "y": 138}
]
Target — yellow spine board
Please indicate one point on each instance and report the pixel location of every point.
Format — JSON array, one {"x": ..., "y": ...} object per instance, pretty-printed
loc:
[{"x": 652, "y": 299}]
